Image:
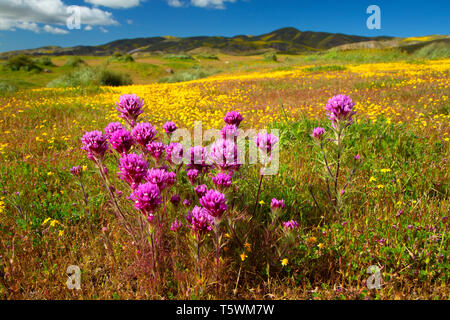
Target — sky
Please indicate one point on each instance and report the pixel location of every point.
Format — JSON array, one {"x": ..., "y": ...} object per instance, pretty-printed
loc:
[{"x": 26, "y": 24}]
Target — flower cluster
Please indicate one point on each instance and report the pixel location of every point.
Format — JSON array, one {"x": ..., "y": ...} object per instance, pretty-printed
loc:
[
  {"x": 130, "y": 107},
  {"x": 340, "y": 108},
  {"x": 147, "y": 198},
  {"x": 200, "y": 221},
  {"x": 144, "y": 133},
  {"x": 133, "y": 169},
  {"x": 96, "y": 144},
  {"x": 121, "y": 140}
]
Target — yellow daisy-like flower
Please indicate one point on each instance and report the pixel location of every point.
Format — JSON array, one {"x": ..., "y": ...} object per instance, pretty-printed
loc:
[
  {"x": 372, "y": 179},
  {"x": 385, "y": 170},
  {"x": 261, "y": 202},
  {"x": 60, "y": 233},
  {"x": 321, "y": 245},
  {"x": 53, "y": 223},
  {"x": 243, "y": 256},
  {"x": 248, "y": 246},
  {"x": 284, "y": 262},
  {"x": 84, "y": 168},
  {"x": 46, "y": 220},
  {"x": 380, "y": 186}
]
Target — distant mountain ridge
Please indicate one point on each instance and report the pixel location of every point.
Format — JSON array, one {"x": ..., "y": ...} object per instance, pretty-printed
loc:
[{"x": 285, "y": 40}]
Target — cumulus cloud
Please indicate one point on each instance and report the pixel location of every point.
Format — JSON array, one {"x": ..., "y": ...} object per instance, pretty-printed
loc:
[
  {"x": 54, "y": 30},
  {"x": 116, "y": 4},
  {"x": 29, "y": 14},
  {"x": 215, "y": 4}
]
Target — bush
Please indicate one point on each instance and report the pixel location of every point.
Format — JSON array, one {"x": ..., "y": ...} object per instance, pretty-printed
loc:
[
  {"x": 85, "y": 77},
  {"x": 44, "y": 61},
  {"x": 114, "y": 78},
  {"x": 74, "y": 62},
  {"x": 22, "y": 62},
  {"x": 7, "y": 88},
  {"x": 178, "y": 57},
  {"x": 325, "y": 68},
  {"x": 117, "y": 56},
  {"x": 270, "y": 56},
  {"x": 190, "y": 75},
  {"x": 208, "y": 56}
]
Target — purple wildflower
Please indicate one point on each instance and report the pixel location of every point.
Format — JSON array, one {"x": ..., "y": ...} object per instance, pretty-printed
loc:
[
  {"x": 176, "y": 225},
  {"x": 133, "y": 168},
  {"x": 266, "y": 141},
  {"x": 187, "y": 202},
  {"x": 199, "y": 156},
  {"x": 130, "y": 107},
  {"x": 215, "y": 202},
  {"x": 95, "y": 143},
  {"x": 200, "y": 221},
  {"x": 156, "y": 149},
  {"x": 174, "y": 153},
  {"x": 112, "y": 127},
  {"x": 169, "y": 127},
  {"x": 222, "y": 180},
  {"x": 340, "y": 108},
  {"x": 290, "y": 225},
  {"x": 201, "y": 190},
  {"x": 157, "y": 177},
  {"x": 229, "y": 131},
  {"x": 277, "y": 204},
  {"x": 192, "y": 175},
  {"x": 121, "y": 141},
  {"x": 76, "y": 171},
  {"x": 318, "y": 133},
  {"x": 144, "y": 133},
  {"x": 224, "y": 154},
  {"x": 147, "y": 197},
  {"x": 175, "y": 199},
  {"x": 233, "y": 117}
]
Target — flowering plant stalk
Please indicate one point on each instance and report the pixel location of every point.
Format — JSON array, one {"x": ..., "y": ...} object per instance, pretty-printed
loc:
[{"x": 340, "y": 113}]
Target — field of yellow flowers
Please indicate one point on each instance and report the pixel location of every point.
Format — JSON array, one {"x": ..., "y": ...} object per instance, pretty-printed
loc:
[{"x": 402, "y": 129}]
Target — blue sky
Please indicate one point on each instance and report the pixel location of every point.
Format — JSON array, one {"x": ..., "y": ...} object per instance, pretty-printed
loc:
[{"x": 36, "y": 23}]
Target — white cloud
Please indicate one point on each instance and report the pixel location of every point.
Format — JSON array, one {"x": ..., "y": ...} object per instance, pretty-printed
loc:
[
  {"x": 176, "y": 3},
  {"x": 88, "y": 28},
  {"x": 28, "y": 14},
  {"x": 103, "y": 30},
  {"x": 116, "y": 4},
  {"x": 215, "y": 4},
  {"x": 54, "y": 30}
]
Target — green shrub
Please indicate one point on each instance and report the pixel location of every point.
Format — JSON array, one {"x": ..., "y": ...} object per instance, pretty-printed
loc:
[
  {"x": 270, "y": 56},
  {"x": 114, "y": 78},
  {"x": 7, "y": 88},
  {"x": 117, "y": 56},
  {"x": 437, "y": 50},
  {"x": 22, "y": 62},
  {"x": 86, "y": 77},
  {"x": 208, "y": 56},
  {"x": 325, "y": 68},
  {"x": 44, "y": 61},
  {"x": 193, "y": 74},
  {"x": 74, "y": 62},
  {"x": 178, "y": 57}
]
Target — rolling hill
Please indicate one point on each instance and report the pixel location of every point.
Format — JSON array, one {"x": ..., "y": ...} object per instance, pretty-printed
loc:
[{"x": 285, "y": 40}]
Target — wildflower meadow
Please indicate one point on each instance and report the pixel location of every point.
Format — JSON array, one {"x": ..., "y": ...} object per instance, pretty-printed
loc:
[{"x": 294, "y": 183}]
